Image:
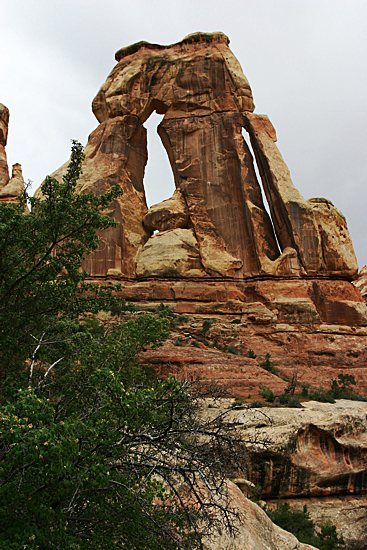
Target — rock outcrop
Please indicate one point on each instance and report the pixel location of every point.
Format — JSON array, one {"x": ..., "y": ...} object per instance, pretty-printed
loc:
[
  {"x": 361, "y": 282},
  {"x": 255, "y": 530},
  {"x": 9, "y": 187},
  {"x": 4, "y": 123},
  {"x": 207, "y": 104},
  {"x": 314, "y": 456},
  {"x": 318, "y": 450}
]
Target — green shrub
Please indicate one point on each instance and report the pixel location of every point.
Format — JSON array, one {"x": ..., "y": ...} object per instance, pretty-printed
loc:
[
  {"x": 268, "y": 365},
  {"x": 251, "y": 354},
  {"x": 267, "y": 394},
  {"x": 301, "y": 525},
  {"x": 195, "y": 344},
  {"x": 207, "y": 323},
  {"x": 239, "y": 402},
  {"x": 288, "y": 400}
]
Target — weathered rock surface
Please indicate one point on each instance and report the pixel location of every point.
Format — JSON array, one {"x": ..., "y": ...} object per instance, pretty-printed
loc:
[
  {"x": 206, "y": 100},
  {"x": 255, "y": 531},
  {"x": 361, "y": 282},
  {"x": 337, "y": 248},
  {"x": 4, "y": 123},
  {"x": 116, "y": 154},
  {"x": 169, "y": 214},
  {"x": 172, "y": 253},
  {"x": 318, "y": 450},
  {"x": 14, "y": 187},
  {"x": 9, "y": 187}
]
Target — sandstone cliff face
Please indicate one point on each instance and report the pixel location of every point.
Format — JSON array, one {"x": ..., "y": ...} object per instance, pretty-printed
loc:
[{"x": 318, "y": 452}]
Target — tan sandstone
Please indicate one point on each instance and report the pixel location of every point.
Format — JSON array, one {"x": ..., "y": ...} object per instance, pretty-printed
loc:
[
  {"x": 169, "y": 214},
  {"x": 171, "y": 253}
]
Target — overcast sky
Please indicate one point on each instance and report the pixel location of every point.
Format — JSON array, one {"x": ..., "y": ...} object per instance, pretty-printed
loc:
[{"x": 306, "y": 61}]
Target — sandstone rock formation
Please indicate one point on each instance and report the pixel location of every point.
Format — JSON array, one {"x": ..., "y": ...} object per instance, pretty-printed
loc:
[
  {"x": 9, "y": 187},
  {"x": 207, "y": 103},
  {"x": 172, "y": 253},
  {"x": 4, "y": 122},
  {"x": 361, "y": 282},
  {"x": 169, "y": 214},
  {"x": 14, "y": 187},
  {"x": 255, "y": 531},
  {"x": 318, "y": 452}
]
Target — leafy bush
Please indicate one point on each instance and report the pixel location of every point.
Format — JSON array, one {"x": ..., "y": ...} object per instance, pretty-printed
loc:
[
  {"x": 251, "y": 354},
  {"x": 289, "y": 400},
  {"x": 95, "y": 451},
  {"x": 256, "y": 404},
  {"x": 267, "y": 394},
  {"x": 268, "y": 365},
  {"x": 301, "y": 525}
]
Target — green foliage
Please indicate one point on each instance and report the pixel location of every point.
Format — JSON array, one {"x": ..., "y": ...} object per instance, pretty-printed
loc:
[
  {"x": 40, "y": 257},
  {"x": 301, "y": 525},
  {"x": 239, "y": 402},
  {"x": 195, "y": 344},
  {"x": 295, "y": 521},
  {"x": 267, "y": 394},
  {"x": 256, "y": 404},
  {"x": 207, "y": 323},
  {"x": 179, "y": 342},
  {"x": 251, "y": 354},
  {"x": 95, "y": 451},
  {"x": 288, "y": 400},
  {"x": 269, "y": 365}
]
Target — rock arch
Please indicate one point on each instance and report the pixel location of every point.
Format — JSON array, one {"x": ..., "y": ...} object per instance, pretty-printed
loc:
[{"x": 199, "y": 87}]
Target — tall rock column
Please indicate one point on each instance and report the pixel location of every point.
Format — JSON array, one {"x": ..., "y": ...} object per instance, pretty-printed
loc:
[
  {"x": 213, "y": 168},
  {"x": 315, "y": 228},
  {"x": 4, "y": 122},
  {"x": 116, "y": 153}
]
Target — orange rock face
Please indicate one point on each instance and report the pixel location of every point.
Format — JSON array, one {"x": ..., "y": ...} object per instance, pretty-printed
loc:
[
  {"x": 207, "y": 104},
  {"x": 215, "y": 252}
]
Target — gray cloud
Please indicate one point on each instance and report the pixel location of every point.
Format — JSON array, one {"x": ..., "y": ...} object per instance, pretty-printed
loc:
[{"x": 305, "y": 60}]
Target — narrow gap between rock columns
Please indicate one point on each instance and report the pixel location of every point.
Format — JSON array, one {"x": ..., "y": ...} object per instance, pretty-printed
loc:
[
  {"x": 246, "y": 137},
  {"x": 159, "y": 182}
]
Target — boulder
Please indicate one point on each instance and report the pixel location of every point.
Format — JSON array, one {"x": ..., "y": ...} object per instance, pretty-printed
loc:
[
  {"x": 337, "y": 247},
  {"x": 169, "y": 214},
  {"x": 172, "y": 253}
]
